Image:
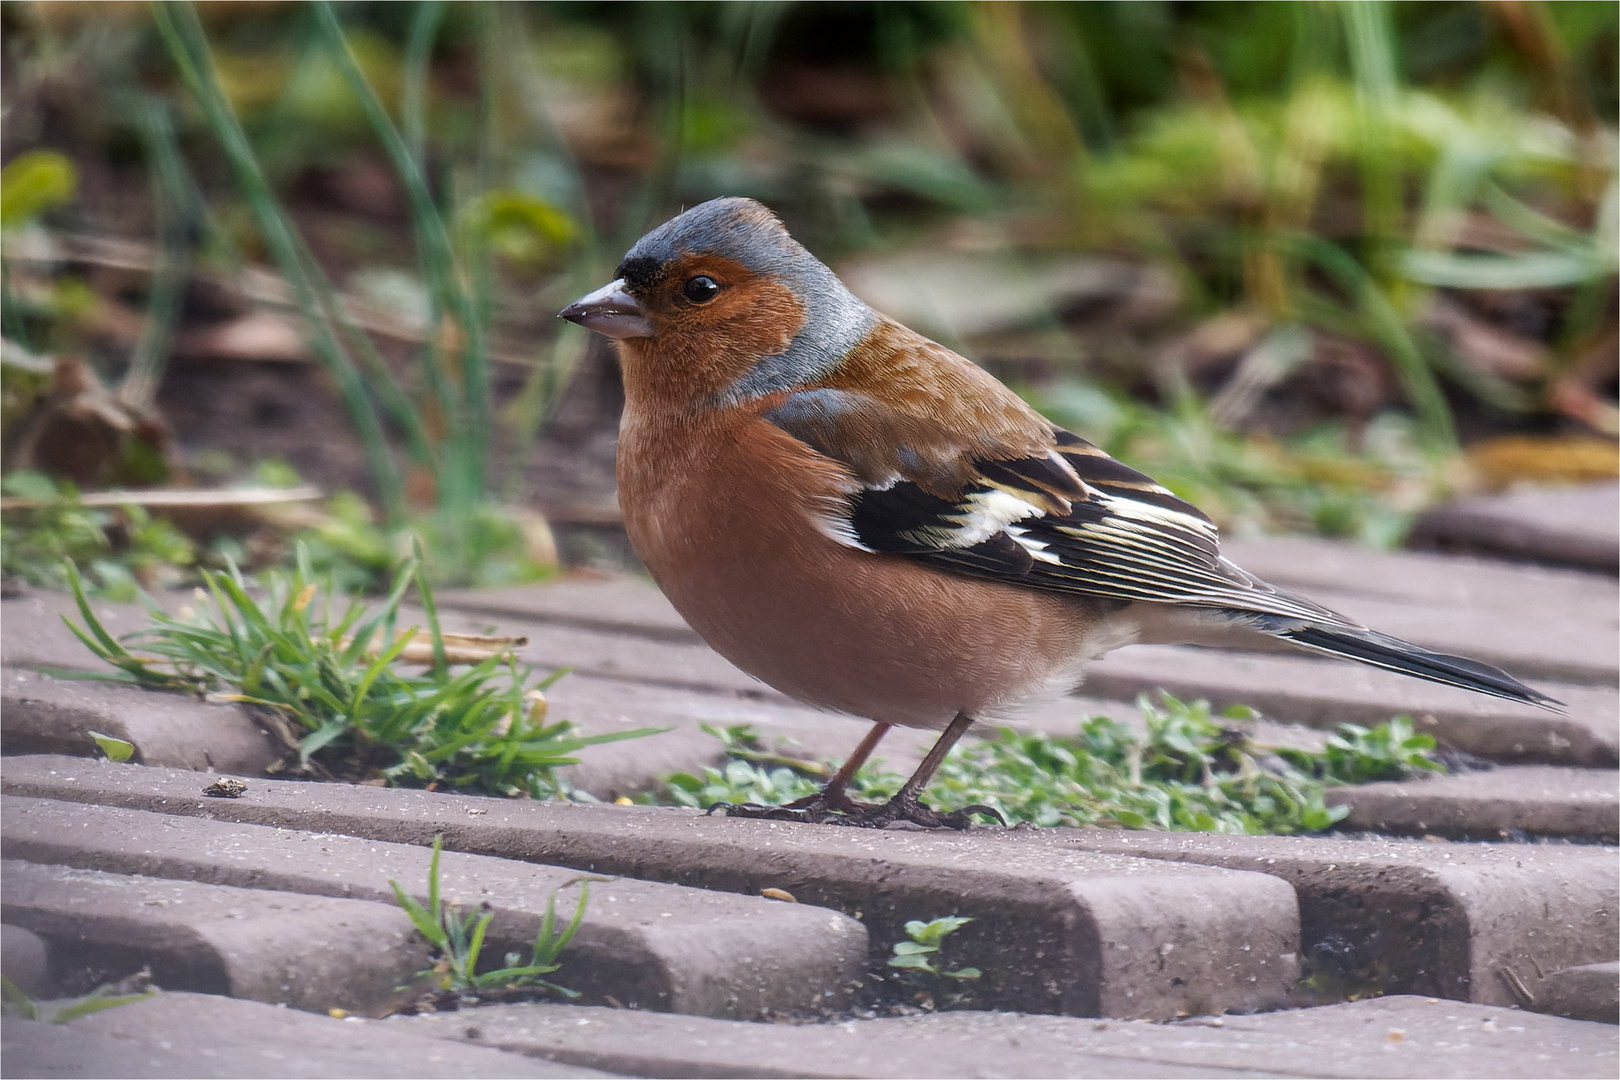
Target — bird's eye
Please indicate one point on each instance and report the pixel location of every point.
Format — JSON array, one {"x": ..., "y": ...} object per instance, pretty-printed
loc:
[{"x": 701, "y": 289}]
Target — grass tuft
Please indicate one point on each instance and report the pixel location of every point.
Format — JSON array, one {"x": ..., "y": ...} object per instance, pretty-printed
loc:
[
  {"x": 325, "y": 670},
  {"x": 458, "y": 938}
]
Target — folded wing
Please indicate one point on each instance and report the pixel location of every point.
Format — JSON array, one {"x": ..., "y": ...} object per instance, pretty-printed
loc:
[{"x": 1067, "y": 517}]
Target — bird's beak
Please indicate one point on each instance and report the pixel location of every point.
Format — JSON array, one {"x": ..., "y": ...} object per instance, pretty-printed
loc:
[{"x": 610, "y": 311}]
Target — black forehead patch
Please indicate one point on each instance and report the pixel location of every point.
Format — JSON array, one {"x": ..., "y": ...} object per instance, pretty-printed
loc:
[{"x": 640, "y": 273}]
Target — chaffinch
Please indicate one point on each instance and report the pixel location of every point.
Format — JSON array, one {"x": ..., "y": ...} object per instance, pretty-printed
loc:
[{"x": 868, "y": 522}]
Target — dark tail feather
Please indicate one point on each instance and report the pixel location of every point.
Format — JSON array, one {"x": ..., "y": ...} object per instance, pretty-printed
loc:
[{"x": 1393, "y": 654}]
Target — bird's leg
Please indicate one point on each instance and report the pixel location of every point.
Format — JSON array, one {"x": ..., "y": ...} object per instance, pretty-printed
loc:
[
  {"x": 830, "y": 800},
  {"x": 831, "y": 796},
  {"x": 831, "y": 805},
  {"x": 906, "y": 804}
]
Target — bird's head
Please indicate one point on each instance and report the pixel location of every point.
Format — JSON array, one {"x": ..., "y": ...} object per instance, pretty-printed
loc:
[{"x": 720, "y": 305}]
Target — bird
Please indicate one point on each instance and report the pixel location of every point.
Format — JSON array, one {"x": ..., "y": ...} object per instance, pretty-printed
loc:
[{"x": 870, "y": 523}]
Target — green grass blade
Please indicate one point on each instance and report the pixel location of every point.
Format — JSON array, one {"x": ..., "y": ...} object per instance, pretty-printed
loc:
[
  {"x": 555, "y": 948},
  {"x": 188, "y": 46},
  {"x": 441, "y": 665},
  {"x": 425, "y": 924},
  {"x": 96, "y": 1002},
  {"x": 321, "y": 738},
  {"x": 413, "y": 96},
  {"x": 433, "y": 876},
  {"x": 377, "y": 667},
  {"x": 476, "y": 946},
  {"x": 436, "y": 256},
  {"x": 76, "y": 583},
  {"x": 17, "y": 999}
]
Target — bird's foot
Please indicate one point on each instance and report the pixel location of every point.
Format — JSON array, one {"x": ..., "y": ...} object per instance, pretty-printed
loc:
[{"x": 910, "y": 808}]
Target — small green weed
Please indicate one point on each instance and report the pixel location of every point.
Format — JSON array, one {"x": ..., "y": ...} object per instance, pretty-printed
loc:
[
  {"x": 1191, "y": 772},
  {"x": 921, "y": 951},
  {"x": 755, "y": 775},
  {"x": 458, "y": 936},
  {"x": 1358, "y": 755},
  {"x": 19, "y": 1004},
  {"x": 323, "y": 665},
  {"x": 123, "y": 549}
]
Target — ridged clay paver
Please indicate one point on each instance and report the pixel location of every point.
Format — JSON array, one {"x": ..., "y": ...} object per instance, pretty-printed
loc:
[
  {"x": 1538, "y": 621},
  {"x": 25, "y": 961},
  {"x": 653, "y": 945},
  {"x": 1547, "y": 801},
  {"x": 635, "y": 638},
  {"x": 1073, "y": 932},
  {"x": 1586, "y": 992},
  {"x": 1570, "y": 526},
  {"x": 204, "y": 1035},
  {"x": 308, "y": 952},
  {"x": 41, "y": 714},
  {"x": 1481, "y": 922},
  {"x": 1429, "y": 579},
  {"x": 1393, "y": 1037},
  {"x": 643, "y": 1045}
]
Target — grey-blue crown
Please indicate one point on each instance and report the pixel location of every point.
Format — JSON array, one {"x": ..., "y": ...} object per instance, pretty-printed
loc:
[{"x": 746, "y": 232}]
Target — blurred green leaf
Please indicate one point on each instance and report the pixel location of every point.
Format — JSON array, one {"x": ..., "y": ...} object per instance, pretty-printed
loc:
[
  {"x": 520, "y": 227},
  {"x": 34, "y": 182},
  {"x": 1532, "y": 270}
]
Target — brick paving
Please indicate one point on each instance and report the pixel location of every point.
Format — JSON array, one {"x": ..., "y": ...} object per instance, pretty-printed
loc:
[
  {"x": 1497, "y": 959},
  {"x": 652, "y": 945},
  {"x": 1577, "y": 527},
  {"x": 207, "y": 1035},
  {"x": 1394, "y": 1036}
]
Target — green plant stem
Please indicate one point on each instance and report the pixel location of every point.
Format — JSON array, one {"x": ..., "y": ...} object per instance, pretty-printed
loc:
[
  {"x": 1372, "y": 60},
  {"x": 188, "y": 45},
  {"x": 169, "y": 197},
  {"x": 463, "y": 485},
  {"x": 1383, "y": 323},
  {"x": 413, "y": 96}
]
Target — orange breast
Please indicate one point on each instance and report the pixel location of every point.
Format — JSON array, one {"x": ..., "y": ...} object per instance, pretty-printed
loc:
[{"x": 727, "y": 512}]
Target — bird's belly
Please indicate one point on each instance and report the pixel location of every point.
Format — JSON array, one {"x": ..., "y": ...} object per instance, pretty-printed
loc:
[{"x": 739, "y": 553}]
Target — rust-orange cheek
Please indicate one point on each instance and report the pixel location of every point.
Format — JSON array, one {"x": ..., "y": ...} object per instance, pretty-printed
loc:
[{"x": 697, "y": 353}]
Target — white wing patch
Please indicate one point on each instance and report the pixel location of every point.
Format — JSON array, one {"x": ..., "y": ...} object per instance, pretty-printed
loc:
[
  {"x": 1036, "y": 548},
  {"x": 981, "y": 515}
]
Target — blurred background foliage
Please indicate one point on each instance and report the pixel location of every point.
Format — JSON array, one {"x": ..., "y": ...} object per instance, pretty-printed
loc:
[{"x": 1315, "y": 265}]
